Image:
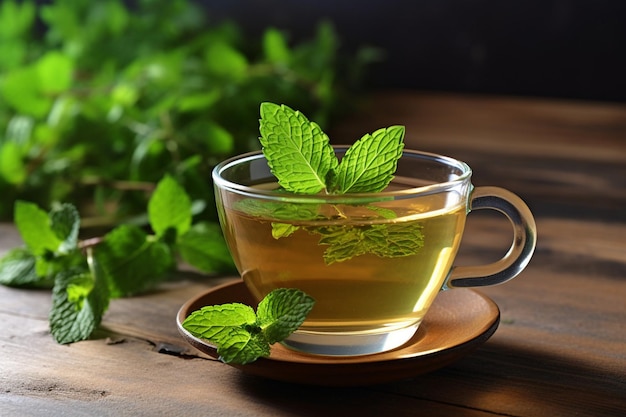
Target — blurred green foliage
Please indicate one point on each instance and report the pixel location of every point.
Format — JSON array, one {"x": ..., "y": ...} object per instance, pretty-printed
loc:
[{"x": 98, "y": 101}]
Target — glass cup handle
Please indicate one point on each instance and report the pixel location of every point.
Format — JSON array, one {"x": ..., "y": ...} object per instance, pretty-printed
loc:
[{"x": 520, "y": 252}]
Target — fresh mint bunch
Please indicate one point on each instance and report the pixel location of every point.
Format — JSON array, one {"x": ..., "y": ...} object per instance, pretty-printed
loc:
[
  {"x": 241, "y": 336},
  {"x": 87, "y": 274},
  {"x": 299, "y": 154},
  {"x": 153, "y": 82}
]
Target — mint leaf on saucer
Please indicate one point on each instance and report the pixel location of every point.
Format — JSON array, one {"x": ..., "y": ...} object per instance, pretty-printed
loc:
[
  {"x": 298, "y": 151},
  {"x": 242, "y": 347},
  {"x": 282, "y": 311},
  {"x": 232, "y": 328},
  {"x": 241, "y": 335},
  {"x": 214, "y": 322}
]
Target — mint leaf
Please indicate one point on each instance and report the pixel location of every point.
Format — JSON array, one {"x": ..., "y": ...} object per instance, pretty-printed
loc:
[
  {"x": 213, "y": 322},
  {"x": 79, "y": 300},
  {"x": 395, "y": 239},
  {"x": 55, "y": 73},
  {"x": 65, "y": 224},
  {"x": 224, "y": 60},
  {"x": 385, "y": 213},
  {"x": 17, "y": 268},
  {"x": 369, "y": 164},
  {"x": 384, "y": 240},
  {"x": 34, "y": 226},
  {"x": 132, "y": 260},
  {"x": 51, "y": 263},
  {"x": 283, "y": 230},
  {"x": 204, "y": 247},
  {"x": 275, "y": 47},
  {"x": 298, "y": 152},
  {"x": 228, "y": 327},
  {"x": 241, "y": 336},
  {"x": 282, "y": 311},
  {"x": 277, "y": 210},
  {"x": 51, "y": 237},
  {"x": 169, "y": 208},
  {"x": 242, "y": 347},
  {"x": 13, "y": 167},
  {"x": 344, "y": 242}
]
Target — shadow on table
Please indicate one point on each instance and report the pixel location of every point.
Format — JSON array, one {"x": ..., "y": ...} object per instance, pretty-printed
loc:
[{"x": 497, "y": 378}]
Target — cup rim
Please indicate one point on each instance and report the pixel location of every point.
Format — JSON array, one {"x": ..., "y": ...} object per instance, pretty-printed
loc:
[{"x": 221, "y": 182}]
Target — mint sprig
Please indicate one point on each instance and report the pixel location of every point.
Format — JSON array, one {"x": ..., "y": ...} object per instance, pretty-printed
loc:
[
  {"x": 79, "y": 300},
  {"x": 241, "y": 336},
  {"x": 86, "y": 274},
  {"x": 300, "y": 156}
]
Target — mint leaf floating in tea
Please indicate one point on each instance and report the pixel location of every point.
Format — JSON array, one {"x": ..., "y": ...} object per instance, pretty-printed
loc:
[
  {"x": 384, "y": 240},
  {"x": 300, "y": 156},
  {"x": 241, "y": 335},
  {"x": 281, "y": 211}
]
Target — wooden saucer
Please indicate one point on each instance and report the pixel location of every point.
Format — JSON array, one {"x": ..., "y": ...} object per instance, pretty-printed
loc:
[{"x": 458, "y": 321}]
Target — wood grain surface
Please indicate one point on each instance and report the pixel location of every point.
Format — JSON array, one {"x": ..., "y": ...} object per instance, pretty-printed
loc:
[{"x": 560, "y": 349}]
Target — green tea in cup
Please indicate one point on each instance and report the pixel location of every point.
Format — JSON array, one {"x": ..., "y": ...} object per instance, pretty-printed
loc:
[{"x": 374, "y": 261}]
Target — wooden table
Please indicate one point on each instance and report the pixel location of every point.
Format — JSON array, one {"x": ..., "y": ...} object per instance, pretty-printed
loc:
[{"x": 560, "y": 349}]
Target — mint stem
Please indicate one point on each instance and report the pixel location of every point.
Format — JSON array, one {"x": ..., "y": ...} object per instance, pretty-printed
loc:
[{"x": 89, "y": 243}]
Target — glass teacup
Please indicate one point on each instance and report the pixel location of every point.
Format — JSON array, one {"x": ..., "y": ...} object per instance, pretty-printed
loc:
[{"x": 374, "y": 262}]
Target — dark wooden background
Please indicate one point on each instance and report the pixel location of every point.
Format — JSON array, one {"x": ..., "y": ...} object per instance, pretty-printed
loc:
[{"x": 548, "y": 48}]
